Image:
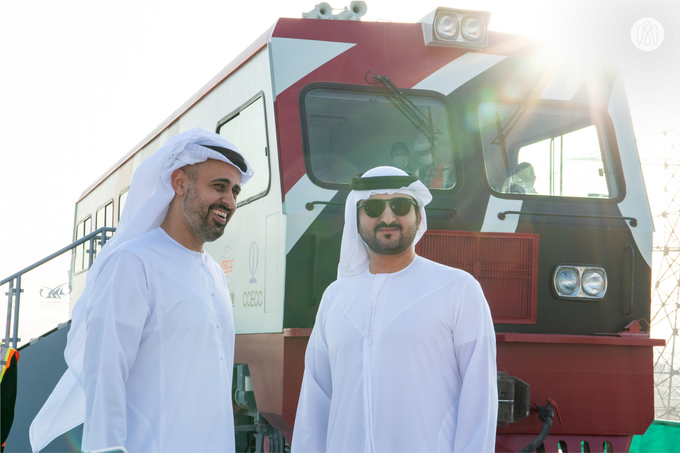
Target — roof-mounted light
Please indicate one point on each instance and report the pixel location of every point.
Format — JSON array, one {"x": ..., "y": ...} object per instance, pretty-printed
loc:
[
  {"x": 473, "y": 28},
  {"x": 447, "y": 26},
  {"x": 450, "y": 27}
]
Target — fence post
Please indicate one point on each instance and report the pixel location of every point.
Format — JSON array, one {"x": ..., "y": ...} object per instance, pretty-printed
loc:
[
  {"x": 91, "y": 252},
  {"x": 9, "y": 295},
  {"x": 17, "y": 293}
]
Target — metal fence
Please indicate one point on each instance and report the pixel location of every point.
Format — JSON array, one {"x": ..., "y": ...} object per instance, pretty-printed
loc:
[{"x": 98, "y": 237}]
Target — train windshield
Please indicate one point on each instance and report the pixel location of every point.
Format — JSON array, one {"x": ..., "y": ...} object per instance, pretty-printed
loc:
[
  {"x": 546, "y": 150},
  {"x": 350, "y": 132}
]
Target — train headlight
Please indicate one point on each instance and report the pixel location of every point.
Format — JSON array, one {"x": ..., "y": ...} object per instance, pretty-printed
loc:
[
  {"x": 451, "y": 27},
  {"x": 594, "y": 282},
  {"x": 473, "y": 28},
  {"x": 446, "y": 25},
  {"x": 567, "y": 282},
  {"x": 580, "y": 282}
]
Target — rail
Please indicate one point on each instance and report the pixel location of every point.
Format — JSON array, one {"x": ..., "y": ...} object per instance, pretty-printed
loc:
[
  {"x": 632, "y": 220},
  {"x": 15, "y": 290}
]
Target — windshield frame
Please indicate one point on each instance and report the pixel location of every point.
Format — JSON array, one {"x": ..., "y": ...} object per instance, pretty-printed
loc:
[
  {"x": 233, "y": 114},
  {"x": 606, "y": 137},
  {"x": 380, "y": 90}
]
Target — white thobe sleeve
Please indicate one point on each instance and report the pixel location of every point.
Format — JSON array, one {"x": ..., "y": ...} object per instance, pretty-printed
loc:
[
  {"x": 311, "y": 420},
  {"x": 116, "y": 314},
  {"x": 475, "y": 348}
]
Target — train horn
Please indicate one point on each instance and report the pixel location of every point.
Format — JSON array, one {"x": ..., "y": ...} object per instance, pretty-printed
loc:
[
  {"x": 355, "y": 11},
  {"x": 321, "y": 11}
]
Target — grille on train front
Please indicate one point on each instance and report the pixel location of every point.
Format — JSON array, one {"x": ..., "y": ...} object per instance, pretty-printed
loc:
[{"x": 505, "y": 264}]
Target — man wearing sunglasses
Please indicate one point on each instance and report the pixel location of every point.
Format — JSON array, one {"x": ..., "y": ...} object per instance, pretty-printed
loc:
[{"x": 402, "y": 357}]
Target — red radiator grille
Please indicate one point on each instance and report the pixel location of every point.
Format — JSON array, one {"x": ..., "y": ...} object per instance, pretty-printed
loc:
[{"x": 505, "y": 264}]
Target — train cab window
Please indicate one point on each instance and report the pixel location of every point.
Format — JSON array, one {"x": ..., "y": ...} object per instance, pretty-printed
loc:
[
  {"x": 349, "y": 131},
  {"x": 82, "y": 261},
  {"x": 546, "y": 150},
  {"x": 247, "y": 129},
  {"x": 122, "y": 198}
]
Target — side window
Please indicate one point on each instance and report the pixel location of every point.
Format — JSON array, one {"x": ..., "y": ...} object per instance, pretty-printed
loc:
[
  {"x": 349, "y": 130},
  {"x": 121, "y": 201},
  {"x": 572, "y": 165},
  {"x": 82, "y": 261},
  {"x": 546, "y": 150},
  {"x": 104, "y": 218},
  {"x": 247, "y": 129}
]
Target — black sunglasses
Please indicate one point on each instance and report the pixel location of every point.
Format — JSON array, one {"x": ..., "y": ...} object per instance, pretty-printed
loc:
[{"x": 375, "y": 207}]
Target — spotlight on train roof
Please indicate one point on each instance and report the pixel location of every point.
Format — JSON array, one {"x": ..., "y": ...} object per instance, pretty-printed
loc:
[{"x": 449, "y": 27}]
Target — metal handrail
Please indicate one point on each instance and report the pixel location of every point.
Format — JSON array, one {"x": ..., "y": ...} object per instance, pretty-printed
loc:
[{"x": 14, "y": 280}]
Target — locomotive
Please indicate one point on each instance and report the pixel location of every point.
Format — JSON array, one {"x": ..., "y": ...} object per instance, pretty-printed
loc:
[{"x": 537, "y": 192}]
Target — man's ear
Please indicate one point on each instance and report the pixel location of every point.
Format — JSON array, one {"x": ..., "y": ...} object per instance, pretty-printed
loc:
[{"x": 179, "y": 181}]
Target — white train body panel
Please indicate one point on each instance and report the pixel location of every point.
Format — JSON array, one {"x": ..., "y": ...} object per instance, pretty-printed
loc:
[{"x": 251, "y": 251}]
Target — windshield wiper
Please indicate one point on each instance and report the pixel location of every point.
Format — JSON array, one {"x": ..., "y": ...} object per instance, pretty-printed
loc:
[
  {"x": 530, "y": 98},
  {"x": 421, "y": 122},
  {"x": 501, "y": 141}
]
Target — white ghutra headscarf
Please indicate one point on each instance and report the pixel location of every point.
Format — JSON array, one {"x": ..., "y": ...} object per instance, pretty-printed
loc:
[
  {"x": 147, "y": 204},
  {"x": 354, "y": 257}
]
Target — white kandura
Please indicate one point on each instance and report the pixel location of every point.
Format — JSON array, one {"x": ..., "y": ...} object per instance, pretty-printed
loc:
[{"x": 401, "y": 362}]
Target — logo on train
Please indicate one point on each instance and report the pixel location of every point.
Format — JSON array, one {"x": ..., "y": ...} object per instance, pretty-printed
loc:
[
  {"x": 253, "y": 261},
  {"x": 227, "y": 264},
  {"x": 57, "y": 293},
  {"x": 253, "y": 299}
]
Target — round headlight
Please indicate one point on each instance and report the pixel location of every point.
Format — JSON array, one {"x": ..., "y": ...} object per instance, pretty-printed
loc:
[
  {"x": 446, "y": 26},
  {"x": 593, "y": 283},
  {"x": 473, "y": 28},
  {"x": 566, "y": 281}
]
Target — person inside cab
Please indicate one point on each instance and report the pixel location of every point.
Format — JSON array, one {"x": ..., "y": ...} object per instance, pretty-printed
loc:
[
  {"x": 522, "y": 180},
  {"x": 401, "y": 157},
  {"x": 436, "y": 168}
]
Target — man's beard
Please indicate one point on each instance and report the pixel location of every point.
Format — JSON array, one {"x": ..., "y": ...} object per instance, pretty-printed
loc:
[
  {"x": 387, "y": 247},
  {"x": 198, "y": 217}
]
